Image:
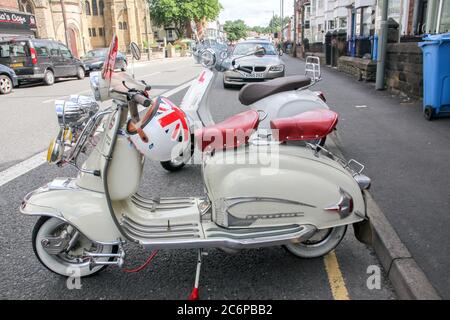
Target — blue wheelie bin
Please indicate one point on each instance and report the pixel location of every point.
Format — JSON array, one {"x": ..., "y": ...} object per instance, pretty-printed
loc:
[{"x": 436, "y": 75}]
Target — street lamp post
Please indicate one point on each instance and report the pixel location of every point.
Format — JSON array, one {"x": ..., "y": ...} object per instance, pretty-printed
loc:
[
  {"x": 382, "y": 44},
  {"x": 294, "y": 46}
]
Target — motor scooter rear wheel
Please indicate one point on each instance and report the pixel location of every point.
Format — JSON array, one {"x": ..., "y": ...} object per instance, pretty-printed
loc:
[
  {"x": 319, "y": 244},
  {"x": 72, "y": 262}
]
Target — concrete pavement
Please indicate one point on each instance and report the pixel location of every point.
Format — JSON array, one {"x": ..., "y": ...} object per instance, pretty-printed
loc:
[
  {"x": 407, "y": 158},
  {"x": 251, "y": 274}
]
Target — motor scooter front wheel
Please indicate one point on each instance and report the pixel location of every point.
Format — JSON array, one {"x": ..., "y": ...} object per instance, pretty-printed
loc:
[
  {"x": 70, "y": 262},
  {"x": 321, "y": 243}
]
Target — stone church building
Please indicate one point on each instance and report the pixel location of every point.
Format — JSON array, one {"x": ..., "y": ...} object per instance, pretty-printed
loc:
[{"x": 88, "y": 23}]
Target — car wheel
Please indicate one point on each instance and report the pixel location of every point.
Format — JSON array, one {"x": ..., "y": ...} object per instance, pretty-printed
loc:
[
  {"x": 124, "y": 66},
  {"x": 5, "y": 84},
  {"x": 80, "y": 73},
  {"x": 49, "y": 77}
]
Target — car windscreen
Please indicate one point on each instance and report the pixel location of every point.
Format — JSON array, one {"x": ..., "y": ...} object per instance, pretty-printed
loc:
[
  {"x": 244, "y": 48},
  {"x": 97, "y": 53},
  {"x": 13, "y": 49}
]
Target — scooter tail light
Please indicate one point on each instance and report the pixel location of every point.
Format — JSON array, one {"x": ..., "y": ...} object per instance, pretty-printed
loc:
[
  {"x": 345, "y": 205},
  {"x": 34, "y": 59}
]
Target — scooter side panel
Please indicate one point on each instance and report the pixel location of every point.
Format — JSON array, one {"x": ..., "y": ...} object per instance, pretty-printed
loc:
[
  {"x": 85, "y": 210},
  {"x": 294, "y": 189},
  {"x": 287, "y": 104}
]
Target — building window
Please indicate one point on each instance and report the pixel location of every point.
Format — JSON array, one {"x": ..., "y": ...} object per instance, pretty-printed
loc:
[
  {"x": 444, "y": 25},
  {"x": 88, "y": 8},
  {"x": 90, "y": 32},
  {"x": 120, "y": 25},
  {"x": 331, "y": 25},
  {"x": 100, "y": 32},
  {"x": 366, "y": 21},
  {"x": 170, "y": 34},
  {"x": 125, "y": 26},
  {"x": 101, "y": 7},
  {"x": 25, "y": 6},
  {"x": 94, "y": 32},
  {"x": 94, "y": 8},
  {"x": 342, "y": 23}
]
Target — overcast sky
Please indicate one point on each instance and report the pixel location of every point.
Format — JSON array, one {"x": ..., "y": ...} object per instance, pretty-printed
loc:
[{"x": 254, "y": 12}]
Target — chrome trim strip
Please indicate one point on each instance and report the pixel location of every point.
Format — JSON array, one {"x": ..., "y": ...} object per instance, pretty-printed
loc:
[{"x": 304, "y": 233}]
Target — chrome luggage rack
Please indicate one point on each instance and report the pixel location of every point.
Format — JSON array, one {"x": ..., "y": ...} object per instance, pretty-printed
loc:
[{"x": 354, "y": 167}]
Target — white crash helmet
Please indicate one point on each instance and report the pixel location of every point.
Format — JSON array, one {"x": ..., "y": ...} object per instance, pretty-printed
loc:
[{"x": 164, "y": 136}]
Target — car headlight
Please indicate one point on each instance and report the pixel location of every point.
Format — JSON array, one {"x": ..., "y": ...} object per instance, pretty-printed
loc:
[{"x": 278, "y": 68}]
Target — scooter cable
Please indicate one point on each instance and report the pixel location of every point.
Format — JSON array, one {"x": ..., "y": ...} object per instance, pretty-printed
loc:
[{"x": 143, "y": 266}]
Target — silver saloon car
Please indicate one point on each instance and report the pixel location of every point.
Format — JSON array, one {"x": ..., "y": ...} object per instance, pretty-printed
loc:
[{"x": 268, "y": 67}]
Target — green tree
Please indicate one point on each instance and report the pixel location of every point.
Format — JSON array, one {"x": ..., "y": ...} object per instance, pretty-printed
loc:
[
  {"x": 274, "y": 24},
  {"x": 235, "y": 29},
  {"x": 205, "y": 10},
  {"x": 177, "y": 13}
]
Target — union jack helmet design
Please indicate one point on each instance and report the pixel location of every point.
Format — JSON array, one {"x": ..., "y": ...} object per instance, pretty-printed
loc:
[{"x": 165, "y": 136}]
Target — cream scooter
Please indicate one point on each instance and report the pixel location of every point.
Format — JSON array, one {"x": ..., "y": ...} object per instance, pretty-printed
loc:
[
  {"x": 268, "y": 194},
  {"x": 279, "y": 98}
]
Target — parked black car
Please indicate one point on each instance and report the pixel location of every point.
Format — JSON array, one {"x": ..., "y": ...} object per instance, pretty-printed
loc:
[
  {"x": 40, "y": 59},
  {"x": 93, "y": 60},
  {"x": 8, "y": 79}
]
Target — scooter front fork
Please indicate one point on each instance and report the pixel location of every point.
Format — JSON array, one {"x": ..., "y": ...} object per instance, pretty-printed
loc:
[{"x": 194, "y": 294}]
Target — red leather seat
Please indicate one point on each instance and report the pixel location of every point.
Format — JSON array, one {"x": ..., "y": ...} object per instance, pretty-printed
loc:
[
  {"x": 308, "y": 125},
  {"x": 229, "y": 133}
]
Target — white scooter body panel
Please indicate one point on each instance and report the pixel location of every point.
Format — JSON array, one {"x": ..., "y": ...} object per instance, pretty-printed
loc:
[{"x": 294, "y": 187}]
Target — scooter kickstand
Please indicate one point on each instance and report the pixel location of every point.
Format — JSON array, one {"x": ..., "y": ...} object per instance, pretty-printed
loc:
[{"x": 194, "y": 294}]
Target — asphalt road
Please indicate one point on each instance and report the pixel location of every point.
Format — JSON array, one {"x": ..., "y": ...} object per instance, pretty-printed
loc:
[
  {"x": 407, "y": 158},
  {"x": 269, "y": 273}
]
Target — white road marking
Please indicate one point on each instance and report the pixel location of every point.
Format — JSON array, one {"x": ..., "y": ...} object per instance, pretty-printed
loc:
[
  {"x": 35, "y": 161},
  {"x": 362, "y": 106},
  {"x": 22, "y": 167},
  {"x": 177, "y": 89}
]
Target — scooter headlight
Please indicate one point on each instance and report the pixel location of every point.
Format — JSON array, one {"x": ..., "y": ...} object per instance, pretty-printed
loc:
[{"x": 75, "y": 112}]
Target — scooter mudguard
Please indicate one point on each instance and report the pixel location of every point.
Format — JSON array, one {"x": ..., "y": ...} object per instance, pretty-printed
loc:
[
  {"x": 363, "y": 232},
  {"x": 287, "y": 104},
  {"x": 275, "y": 185},
  {"x": 84, "y": 209}
]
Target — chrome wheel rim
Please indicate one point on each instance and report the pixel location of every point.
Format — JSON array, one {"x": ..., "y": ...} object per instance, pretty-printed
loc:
[
  {"x": 5, "y": 84},
  {"x": 49, "y": 77}
]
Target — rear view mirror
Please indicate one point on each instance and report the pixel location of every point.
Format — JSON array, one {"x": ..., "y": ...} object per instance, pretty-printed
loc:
[{"x": 135, "y": 51}]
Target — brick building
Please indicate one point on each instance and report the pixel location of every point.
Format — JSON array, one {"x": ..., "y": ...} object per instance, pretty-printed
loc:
[{"x": 88, "y": 23}]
